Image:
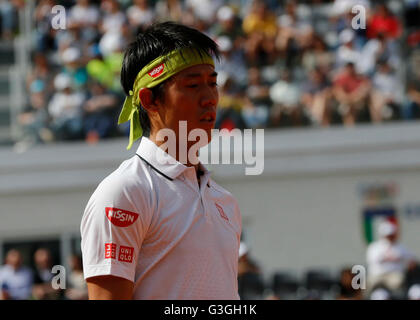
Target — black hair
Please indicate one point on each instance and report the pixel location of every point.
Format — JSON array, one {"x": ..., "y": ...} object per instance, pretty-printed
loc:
[{"x": 157, "y": 40}]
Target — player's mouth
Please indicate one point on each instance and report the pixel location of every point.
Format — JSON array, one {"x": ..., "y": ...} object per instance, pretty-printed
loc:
[{"x": 208, "y": 117}]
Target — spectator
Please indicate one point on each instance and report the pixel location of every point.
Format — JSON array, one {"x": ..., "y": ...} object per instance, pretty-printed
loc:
[
  {"x": 380, "y": 292},
  {"x": 65, "y": 109},
  {"x": 169, "y": 10},
  {"x": 285, "y": 94},
  {"x": 230, "y": 104},
  {"x": 316, "y": 98},
  {"x": 45, "y": 36},
  {"x": 346, "y": 290},
  {"x": 113, "y": 19},
  {"x": 414, "y": 292},
  {"x": 77, "y": 289},
  {"x": 99, "y": 113},
  {"x": 250, "y": 283},
  {"x": 317, "y": 55},
  {"x": 34, "y": 119},
  {"x": 15, "y": 279},
  {"x": 260, "y": 27},
  {"x": 84, "y": 17},
  {"x": 74, "y": 68},
  {"x": 411, "y": 107},
  {"x": 229, "y": 25},
  {"x": 351, "y": 90},
  {"x": 294, "y": 34},
  {"x": 8, "y": 18},
  {"x": 386, "y": 94},
  {"x": 204, "y": 10},
  {"x": 388, "y": 260},
  {"x": 347, "y": 53},
  {"x": 232, "y": 61},
  {"x": 256, "y": 112},
  {"x": 42, "y": 289}
]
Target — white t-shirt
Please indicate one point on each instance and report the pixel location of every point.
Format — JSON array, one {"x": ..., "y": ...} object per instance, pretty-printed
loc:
[
  {"x": 382, "y": 250},
  {"x": 150, "y": 223}
]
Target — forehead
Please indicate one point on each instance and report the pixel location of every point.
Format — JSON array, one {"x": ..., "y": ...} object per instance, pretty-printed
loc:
[{"x": 199, "y": 70}]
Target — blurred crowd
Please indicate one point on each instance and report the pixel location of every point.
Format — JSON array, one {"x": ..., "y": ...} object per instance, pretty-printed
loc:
[
  {"x": 390, "y": 272},
  {"x": 21, "y": 282},
  {"x": 284, "y": 62}
]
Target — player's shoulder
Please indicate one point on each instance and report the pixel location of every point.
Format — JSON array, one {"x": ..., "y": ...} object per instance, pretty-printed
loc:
[{"x": 131, "y": 174}]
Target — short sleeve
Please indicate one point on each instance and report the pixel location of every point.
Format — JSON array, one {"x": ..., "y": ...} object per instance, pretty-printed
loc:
[{"x": 113, "y": 228}]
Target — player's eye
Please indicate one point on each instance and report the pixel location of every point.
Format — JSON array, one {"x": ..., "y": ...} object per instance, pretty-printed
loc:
[{"x": 192, "y": 85}]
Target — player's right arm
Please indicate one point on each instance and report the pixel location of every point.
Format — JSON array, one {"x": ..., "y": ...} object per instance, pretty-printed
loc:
[{"x": 109, "y": 288}]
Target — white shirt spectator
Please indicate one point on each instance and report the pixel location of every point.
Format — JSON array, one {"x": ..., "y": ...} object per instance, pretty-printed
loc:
[
  {"x": 17, "y": 283},
  {"x": 285, "y": 93},
  {"x": 66, "y": 105},
  {"x": 84, "y": 15},
  {"x": 384, "y": 257},
  {"x": 204, "y": 9},
  {"x": 114, "y": 21},
  {"x": 140, "y": 17},
  {"x": 389, "y": 85}
]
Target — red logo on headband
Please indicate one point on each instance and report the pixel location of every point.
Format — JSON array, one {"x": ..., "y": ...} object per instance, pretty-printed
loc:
[{"x": 156, "y": 72}]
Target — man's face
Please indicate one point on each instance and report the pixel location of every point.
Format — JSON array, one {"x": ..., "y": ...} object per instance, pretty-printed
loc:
[{"x": 191, "y": 96}]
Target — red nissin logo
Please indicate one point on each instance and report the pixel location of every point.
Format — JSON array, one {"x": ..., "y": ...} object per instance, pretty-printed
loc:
[
  {"x": 119, "y": 217},
  {"x": 156, "y": 72}
]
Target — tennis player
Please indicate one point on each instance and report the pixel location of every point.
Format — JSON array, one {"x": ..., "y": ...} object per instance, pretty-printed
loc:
[{"x": 156, "y": 230}]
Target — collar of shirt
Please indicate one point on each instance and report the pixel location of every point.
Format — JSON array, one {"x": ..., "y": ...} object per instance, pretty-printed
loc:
[{"x": 171, "y": 169}]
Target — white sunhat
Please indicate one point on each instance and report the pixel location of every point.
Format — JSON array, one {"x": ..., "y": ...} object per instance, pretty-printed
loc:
[
  {"x": 70, "y": 55},
  {"x": 347, "y": 35},
  {"x": 62, "y": 81},
  {"x": 243, "y": 249},
  {"x": 225, "y": 44},
  {"x": 110, "y": 42},
  {"x": 380, "y": 294},
  {"x": 387, "y": 228},
  {"x": 225, "y": 13}
]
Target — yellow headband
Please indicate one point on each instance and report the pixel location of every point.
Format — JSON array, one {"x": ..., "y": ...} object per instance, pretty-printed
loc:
[{"x": 151, "y": 75}]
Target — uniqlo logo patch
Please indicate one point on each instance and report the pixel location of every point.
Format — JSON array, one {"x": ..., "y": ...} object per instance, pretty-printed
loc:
[
  {"x": 222, "y": 213},
  {"x": 110, "y": 250},
  {"x": 126, "y": 254}
]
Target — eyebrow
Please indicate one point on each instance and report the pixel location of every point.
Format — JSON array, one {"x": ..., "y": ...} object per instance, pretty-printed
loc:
[{"x": 195, "y": 75}]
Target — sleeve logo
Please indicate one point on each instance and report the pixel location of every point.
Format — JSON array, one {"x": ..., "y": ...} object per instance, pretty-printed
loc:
[
  {"x": 126, "y": 254},
  {"x": 157, "y": 71},
  {"x": 119, "y": 217},
  {"x": 222, "y": 212}
]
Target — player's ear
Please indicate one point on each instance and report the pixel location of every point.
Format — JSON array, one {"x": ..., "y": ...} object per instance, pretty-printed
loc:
[{"x": 147, "y": 99}]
